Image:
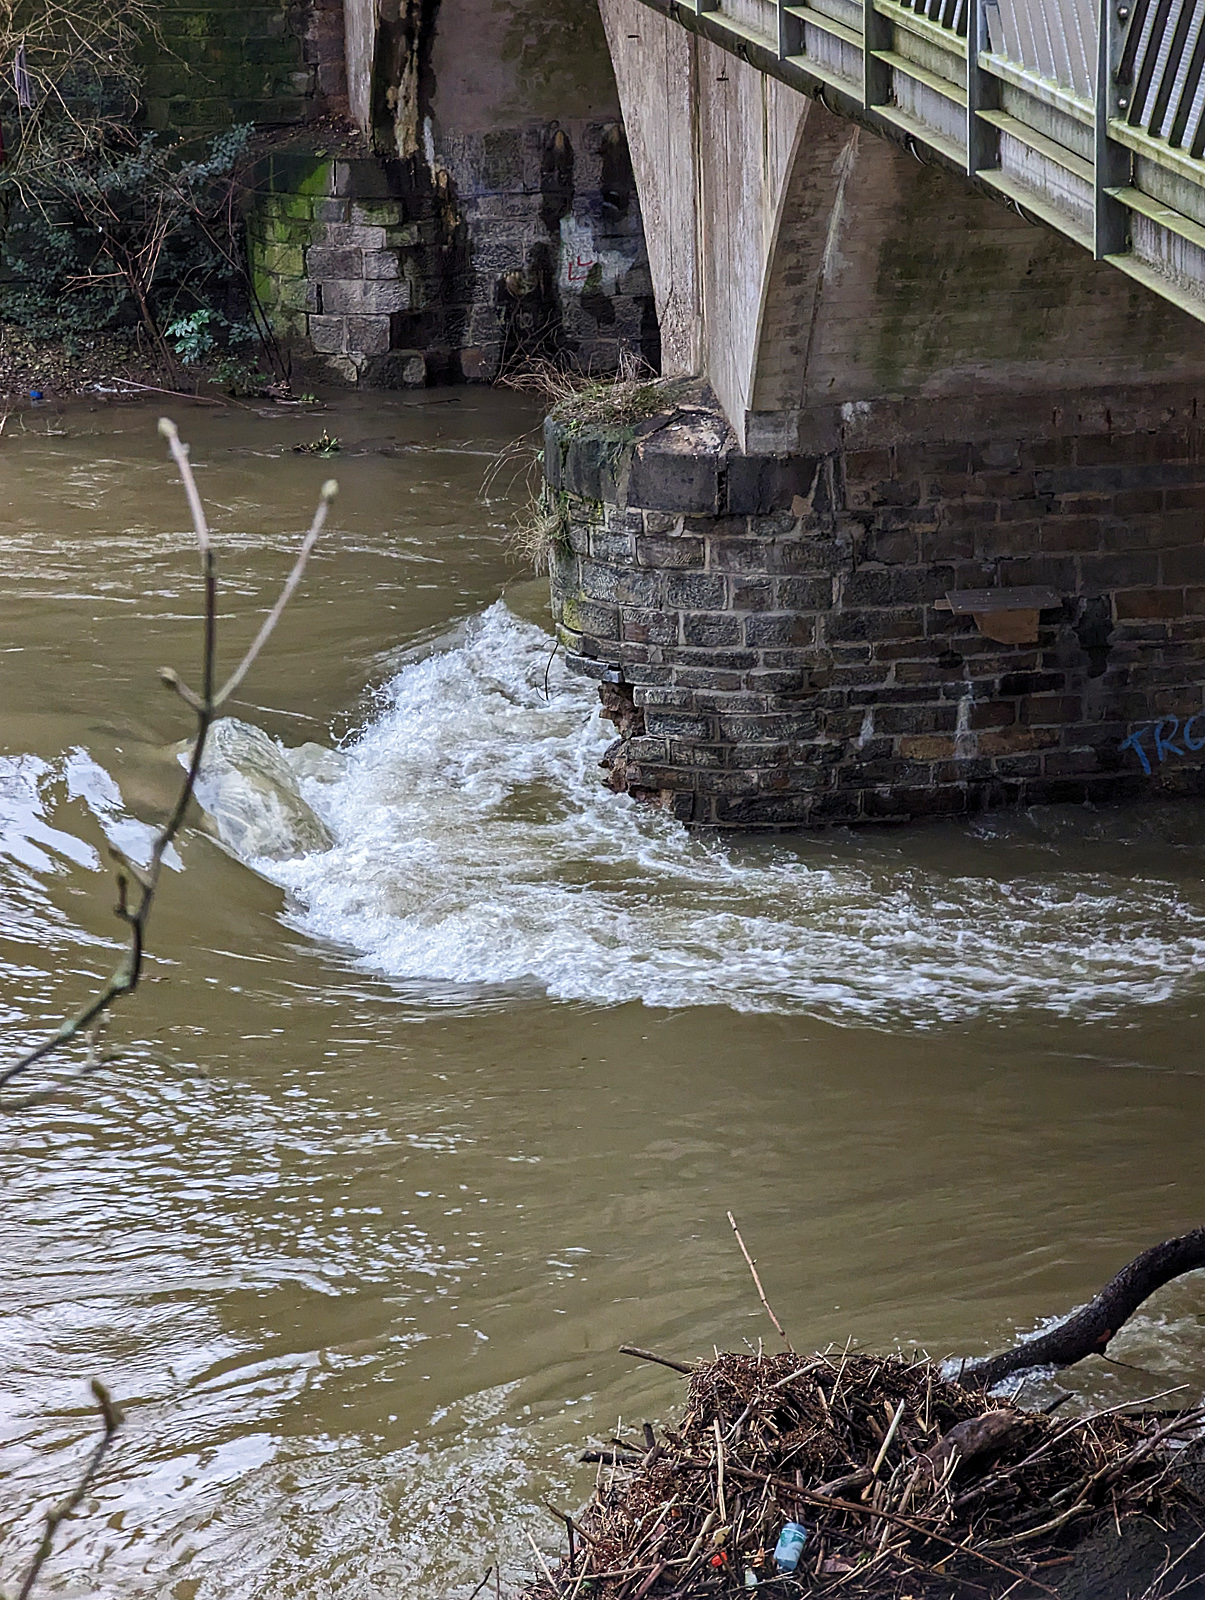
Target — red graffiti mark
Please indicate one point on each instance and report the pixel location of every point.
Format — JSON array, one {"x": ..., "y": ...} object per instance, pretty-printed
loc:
[{"x": 580, "y": 268}]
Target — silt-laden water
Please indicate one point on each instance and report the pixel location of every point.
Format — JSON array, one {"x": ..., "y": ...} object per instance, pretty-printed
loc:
[{"x": 433, "y": 1103}]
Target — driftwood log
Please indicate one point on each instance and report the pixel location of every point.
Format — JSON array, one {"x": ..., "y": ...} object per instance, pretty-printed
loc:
[{"x": 1088, "y": 1331}]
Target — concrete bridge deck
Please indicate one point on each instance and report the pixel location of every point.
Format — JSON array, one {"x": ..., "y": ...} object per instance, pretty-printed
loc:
[{"x": 1089, "y": 117}]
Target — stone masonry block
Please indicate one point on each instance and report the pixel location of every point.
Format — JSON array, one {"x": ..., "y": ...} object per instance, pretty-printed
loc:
[
  {"x": 759, "y": 484},
  {"x": 328, "y": 335},
  {"x": 367, "y": 336},
  {"x": 651, "y": 627},
  {"x": 354, "y": 235},
  {"x": 751, "y": 594},
  {"x": 711, "y": 629},
  {"x": 358, "y": 297},
  {"x": 364, "y": 178},
  {"x": 679, "y": 725},
  {"x": 668, "y": 480},
  {"x": 378, "y": 264},
  {"x": 617, "y": 548},
  {"x": 777, "y": 629},
  {"x": 1149, "y": 603},
  {"x": 694, "y": 591},
  {"x": 328, "y": 261},
  {"x": 661, "y": 552},
  {"x": 589, "y": 617},
  {"x": 748, "y": 729},
  {"x": 377, "y": 213},
  {"x": 631, "y": 587}
]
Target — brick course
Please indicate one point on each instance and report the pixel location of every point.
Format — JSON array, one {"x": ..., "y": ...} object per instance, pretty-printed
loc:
[{"x": 789, "y": 658}]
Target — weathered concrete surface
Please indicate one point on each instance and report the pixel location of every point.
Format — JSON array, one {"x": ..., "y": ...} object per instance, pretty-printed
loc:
[
  {"x": 511, "y": 161},
  {"x": 773, "y": 621},
  {"x": 799, "y": 260}
]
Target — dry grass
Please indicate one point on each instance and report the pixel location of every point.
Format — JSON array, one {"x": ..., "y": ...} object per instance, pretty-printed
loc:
[
  {"x": 579, "y": 400},
  {"x": 540, "y": 530},
  {"x": 576, "y": 400}
]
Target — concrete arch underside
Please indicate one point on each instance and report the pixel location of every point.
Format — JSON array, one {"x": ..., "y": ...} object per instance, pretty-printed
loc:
[
  {"x": 800, "y": 261},
  {"x": 922, "y": 528}
]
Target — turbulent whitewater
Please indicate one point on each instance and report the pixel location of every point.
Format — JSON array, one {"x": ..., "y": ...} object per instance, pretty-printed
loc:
[{"x": 474, "y": 847}]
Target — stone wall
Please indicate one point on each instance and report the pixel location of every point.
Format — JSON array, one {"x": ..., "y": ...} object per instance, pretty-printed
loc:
[
  {"x": 766, "y": 630},
  {"x": 340, "y": 265},
  {"x": 483, "y": 214},
  {"x": 389, "y": 274},
  {"x": 497, "y": 126},
  {"x": 275, "y": 64}
]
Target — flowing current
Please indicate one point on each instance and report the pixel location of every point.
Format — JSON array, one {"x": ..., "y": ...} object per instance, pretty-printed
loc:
[
  {"x": 473, "y": 845},
  {"x": 451, "y": 1061}
]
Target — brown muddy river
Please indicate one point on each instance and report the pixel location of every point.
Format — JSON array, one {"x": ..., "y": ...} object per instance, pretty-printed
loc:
[{"x": 413, "y": 1128}]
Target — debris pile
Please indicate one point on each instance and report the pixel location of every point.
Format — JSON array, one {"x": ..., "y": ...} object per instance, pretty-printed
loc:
[{"x": 906, "y": 1483}]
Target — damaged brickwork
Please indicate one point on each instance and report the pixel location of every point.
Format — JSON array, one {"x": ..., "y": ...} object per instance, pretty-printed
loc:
[{"x": 778, "y": 621}]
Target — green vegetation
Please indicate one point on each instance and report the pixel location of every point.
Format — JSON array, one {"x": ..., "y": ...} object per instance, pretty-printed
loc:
[{"x": 106, "y": 225}]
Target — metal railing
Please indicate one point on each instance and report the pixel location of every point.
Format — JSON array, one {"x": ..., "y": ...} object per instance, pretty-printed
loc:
[
  {"x": 1088, "y": 114},
  {"x": 1058, "y": 42},
  {"x": 1162, "y": 72}
]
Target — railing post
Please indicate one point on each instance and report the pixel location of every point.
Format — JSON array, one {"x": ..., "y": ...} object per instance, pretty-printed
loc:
[
  {"x": 790, "y": 32},
  {"x": 1112, "y": 161},
  {"x": 983, "y": 94},
  {"x": 877, "y": 34}
]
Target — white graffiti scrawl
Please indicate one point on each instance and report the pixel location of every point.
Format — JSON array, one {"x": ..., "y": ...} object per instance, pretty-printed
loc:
[{"x": 583, "y": 261}]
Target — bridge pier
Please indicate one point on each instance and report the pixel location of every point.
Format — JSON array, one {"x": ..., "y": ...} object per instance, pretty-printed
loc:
[
  {"x": 894, "y": 392},
  {"x": 771, "y": 633}
]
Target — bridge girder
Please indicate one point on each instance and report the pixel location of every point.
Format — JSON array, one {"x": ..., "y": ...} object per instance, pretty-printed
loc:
[{"x": 800, "y": 261}]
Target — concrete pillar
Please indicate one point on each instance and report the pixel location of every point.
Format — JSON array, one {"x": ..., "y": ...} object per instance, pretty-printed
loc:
[{"x": 905, "y": 393}]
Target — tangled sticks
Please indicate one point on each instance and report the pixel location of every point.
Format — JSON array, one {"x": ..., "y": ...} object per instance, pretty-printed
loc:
[{"x": 909, "y": 1483}]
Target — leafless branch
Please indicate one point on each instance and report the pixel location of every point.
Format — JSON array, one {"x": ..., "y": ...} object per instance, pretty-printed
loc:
[
  {"x": 137, "y": 885},
  {"x": 112, "y": 1418},
  {"x": 761, "y": 1293}
]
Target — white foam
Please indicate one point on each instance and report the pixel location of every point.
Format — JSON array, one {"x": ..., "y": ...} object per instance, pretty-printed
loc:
[{"x": 475, "y": 845}]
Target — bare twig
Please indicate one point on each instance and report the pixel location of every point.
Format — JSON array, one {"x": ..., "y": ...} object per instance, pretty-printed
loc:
[
  {"x": 552, "y": 1583},
  {"x": 886, "y": 1445},
  {"x": 137, "y": 885},
  {"x": 649, "y": 1355},
  {"x": 761, "y": 1293},
  {"x": 112, "y": 1418},
  {"x": 329, "y": 490}
]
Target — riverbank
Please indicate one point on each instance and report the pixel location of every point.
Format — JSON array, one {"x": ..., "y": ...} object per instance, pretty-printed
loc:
[
  {"x": 62, "y": 368},
  {"x": 110, "y": 364}
]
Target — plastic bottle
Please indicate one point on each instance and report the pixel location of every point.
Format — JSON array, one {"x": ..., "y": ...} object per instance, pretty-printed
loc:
[{"x": 790, "y": 1546}]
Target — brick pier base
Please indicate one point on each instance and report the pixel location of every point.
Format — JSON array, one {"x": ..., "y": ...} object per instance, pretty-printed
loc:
[{"x": 768, "y": 632}]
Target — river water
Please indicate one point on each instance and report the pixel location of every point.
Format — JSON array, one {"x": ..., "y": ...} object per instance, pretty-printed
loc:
[{"x": 408, "y": 1134}]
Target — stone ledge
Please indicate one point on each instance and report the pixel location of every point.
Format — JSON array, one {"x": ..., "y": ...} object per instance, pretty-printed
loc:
[{"x": 685, "y": 461}]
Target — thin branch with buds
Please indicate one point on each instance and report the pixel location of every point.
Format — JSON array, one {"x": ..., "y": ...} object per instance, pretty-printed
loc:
[
  {"x": 137, "y": 885},
  {"x": 112, "y": 1418}
]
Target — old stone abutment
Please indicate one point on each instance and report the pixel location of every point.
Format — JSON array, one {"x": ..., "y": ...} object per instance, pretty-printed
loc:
[{"x": 920, "y": 528}]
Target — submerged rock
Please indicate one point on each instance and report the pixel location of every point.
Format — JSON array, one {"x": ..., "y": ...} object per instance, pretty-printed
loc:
[{"x": 250, "y": 791}]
